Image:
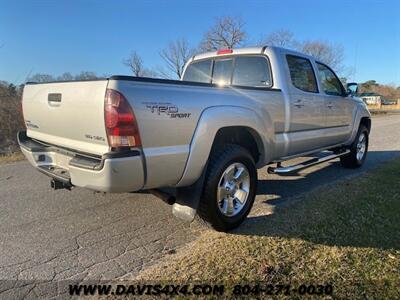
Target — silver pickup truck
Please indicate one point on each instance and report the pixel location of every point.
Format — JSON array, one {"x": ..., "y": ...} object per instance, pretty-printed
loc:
[{"x": 197, "y": 142}]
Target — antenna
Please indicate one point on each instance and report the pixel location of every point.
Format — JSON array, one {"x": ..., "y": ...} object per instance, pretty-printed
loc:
[{"x": 355, "y": 62}]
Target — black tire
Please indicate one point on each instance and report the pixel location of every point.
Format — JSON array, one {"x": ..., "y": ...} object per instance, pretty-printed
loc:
[
  {"x": 351, "y": 160},
  {"x": 221, "y": 159}
]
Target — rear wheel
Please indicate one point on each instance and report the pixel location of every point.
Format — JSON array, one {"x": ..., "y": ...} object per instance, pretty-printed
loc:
[
  {"x": 358, "y": 150},
  {"x": 229, "y": 188}
]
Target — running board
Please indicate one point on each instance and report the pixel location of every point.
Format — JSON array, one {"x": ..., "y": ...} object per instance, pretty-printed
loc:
[{"x": 306, "y": 164}]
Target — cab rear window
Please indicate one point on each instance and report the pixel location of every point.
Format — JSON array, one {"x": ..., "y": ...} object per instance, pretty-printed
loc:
[
  {"x": 241, "y": 70},
  {"x": 198, "y": 71},
  {"x": 222, "y": 72}
]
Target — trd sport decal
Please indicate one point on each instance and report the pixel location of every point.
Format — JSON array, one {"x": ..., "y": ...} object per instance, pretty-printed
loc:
[{"x": 166, "y": 109}]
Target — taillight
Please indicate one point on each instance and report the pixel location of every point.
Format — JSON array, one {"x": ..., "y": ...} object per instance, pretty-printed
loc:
[{"x": 121, "y": 126}]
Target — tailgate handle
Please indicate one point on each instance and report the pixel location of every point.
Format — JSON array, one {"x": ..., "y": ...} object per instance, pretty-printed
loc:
[{"x": 54, "y": 99}]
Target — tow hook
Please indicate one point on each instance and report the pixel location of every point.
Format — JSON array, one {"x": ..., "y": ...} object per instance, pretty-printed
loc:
[{"x": 57, "y": 185}]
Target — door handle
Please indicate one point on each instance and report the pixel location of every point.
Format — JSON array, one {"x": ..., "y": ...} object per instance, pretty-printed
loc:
[
  {"x": 330, "y": 105},
  {"x": 299, "y": 103},
  {"x": 54, "y": 99}
]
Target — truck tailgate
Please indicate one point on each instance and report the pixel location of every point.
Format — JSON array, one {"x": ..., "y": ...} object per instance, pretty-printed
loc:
[{"x": 67, "y": 114}]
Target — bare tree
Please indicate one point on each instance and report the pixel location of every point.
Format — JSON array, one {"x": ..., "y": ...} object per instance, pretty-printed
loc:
[
  {"x": 135, "y": 63},
  {"x": 10, "y": 116},
  {"x": 86, "y": 75},
  {"x": 227, "y": 32},
  {"x": 280, "y": 38},
  {"x": 39, "y": 77},
  {"x": 152, "y": 73},
  {"x": 327, "y": 53},
  {"x": 65, "y": 77},
  {"x": 175, "y": 55}
]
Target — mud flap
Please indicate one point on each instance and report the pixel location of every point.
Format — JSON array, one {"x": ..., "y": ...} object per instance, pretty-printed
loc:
[{"x": 188, "y": 199}]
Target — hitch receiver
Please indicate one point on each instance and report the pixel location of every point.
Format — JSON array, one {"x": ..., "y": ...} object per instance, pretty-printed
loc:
[{"x": 57, "y": 185}]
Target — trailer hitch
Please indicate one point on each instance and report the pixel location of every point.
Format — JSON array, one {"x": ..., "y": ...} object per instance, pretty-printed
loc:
[{"x": 58, "y": 185}]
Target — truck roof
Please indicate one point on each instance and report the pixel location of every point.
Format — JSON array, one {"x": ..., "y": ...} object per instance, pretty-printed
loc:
[{"x": 246, "y": 50}]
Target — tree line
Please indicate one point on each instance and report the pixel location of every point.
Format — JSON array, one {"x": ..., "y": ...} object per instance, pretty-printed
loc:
[
  {"x": 10, "y": 116},
  {"x": 388, "y": 91},
  {"x": 66, "y": 76}
]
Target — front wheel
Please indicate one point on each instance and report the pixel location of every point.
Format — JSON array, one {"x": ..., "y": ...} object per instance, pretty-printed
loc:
[
  {"x": 229, "y": 188},
  {"x": 358, "y": 150}
]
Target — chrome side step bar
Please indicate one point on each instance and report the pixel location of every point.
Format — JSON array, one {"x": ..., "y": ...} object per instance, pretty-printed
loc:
[{"x": 303, "y": 165}]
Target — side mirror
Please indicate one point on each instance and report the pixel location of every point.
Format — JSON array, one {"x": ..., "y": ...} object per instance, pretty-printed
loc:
[{"x": 352, "y": 88}]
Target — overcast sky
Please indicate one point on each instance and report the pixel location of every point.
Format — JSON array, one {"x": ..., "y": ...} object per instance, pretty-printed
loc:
[{"x": 72, "y": 36}]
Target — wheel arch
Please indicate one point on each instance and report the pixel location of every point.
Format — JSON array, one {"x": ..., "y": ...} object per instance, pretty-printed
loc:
[
  {"x": 367, "y": 122},
  {"x": 243, "y": 136},
  {"x": 361, "y": 117},
  {"x": 226, "y": 123}
]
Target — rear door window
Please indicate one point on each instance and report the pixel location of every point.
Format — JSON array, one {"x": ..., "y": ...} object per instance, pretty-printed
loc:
[
  {"x": 302, "y": 73},
  {"x": 222, "y": 71},
  {"x": 251, "y": 71},
  {"x": 199, "y": 72},
  {"x": 329, "y": 81}
]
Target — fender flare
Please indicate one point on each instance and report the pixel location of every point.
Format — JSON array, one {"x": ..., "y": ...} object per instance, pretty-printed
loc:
[
  {"x": 362, "y": 112},
  {"x": 211, "y": 120}
]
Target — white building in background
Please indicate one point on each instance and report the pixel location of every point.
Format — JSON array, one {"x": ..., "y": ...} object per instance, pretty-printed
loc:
[{"x": 371, "y": 98}]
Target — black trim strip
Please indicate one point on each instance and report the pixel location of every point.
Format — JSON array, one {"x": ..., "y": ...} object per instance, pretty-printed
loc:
[
  {"x": 86, "y": 163},
  {"x": 29, "y": 144},
  {"x": 120, "y": 154},
  {"x": 263, "y": 49},
  {"x": 63, "y": 81},
  {"x": 188, "y": 83},
  {"x": 163, "y": 81}
]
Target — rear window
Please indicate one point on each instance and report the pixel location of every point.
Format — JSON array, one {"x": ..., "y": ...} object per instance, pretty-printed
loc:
[
  {"x": 222, "y": 71},
  {"x": 198, "y": 72},
  {"x": 302, "y": 73},
  {"x": 251, "y": 71},
  {"x": 241, "y": 70}
]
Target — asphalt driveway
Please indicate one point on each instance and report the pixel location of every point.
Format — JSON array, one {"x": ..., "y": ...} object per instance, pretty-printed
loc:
[{"x": 56, "y": 235}]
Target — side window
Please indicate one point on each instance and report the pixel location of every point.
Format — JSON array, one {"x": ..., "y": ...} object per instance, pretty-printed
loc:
[
  {"x": 251, "y": 71},
  {"x": 222, "y": 71},
  {"x": 302, "y": 73},
  {"x": 198, "y": 72},
  {"x": 329, "y": 81}
]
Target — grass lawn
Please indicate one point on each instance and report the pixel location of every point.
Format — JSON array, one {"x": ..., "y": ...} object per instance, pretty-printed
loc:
[
  {"x": 346, "y": 235},
  {"x": 16, "y": 156}
]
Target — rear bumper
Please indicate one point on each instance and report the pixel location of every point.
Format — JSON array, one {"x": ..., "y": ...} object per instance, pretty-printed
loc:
[{"x": 113, "y": 172}]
